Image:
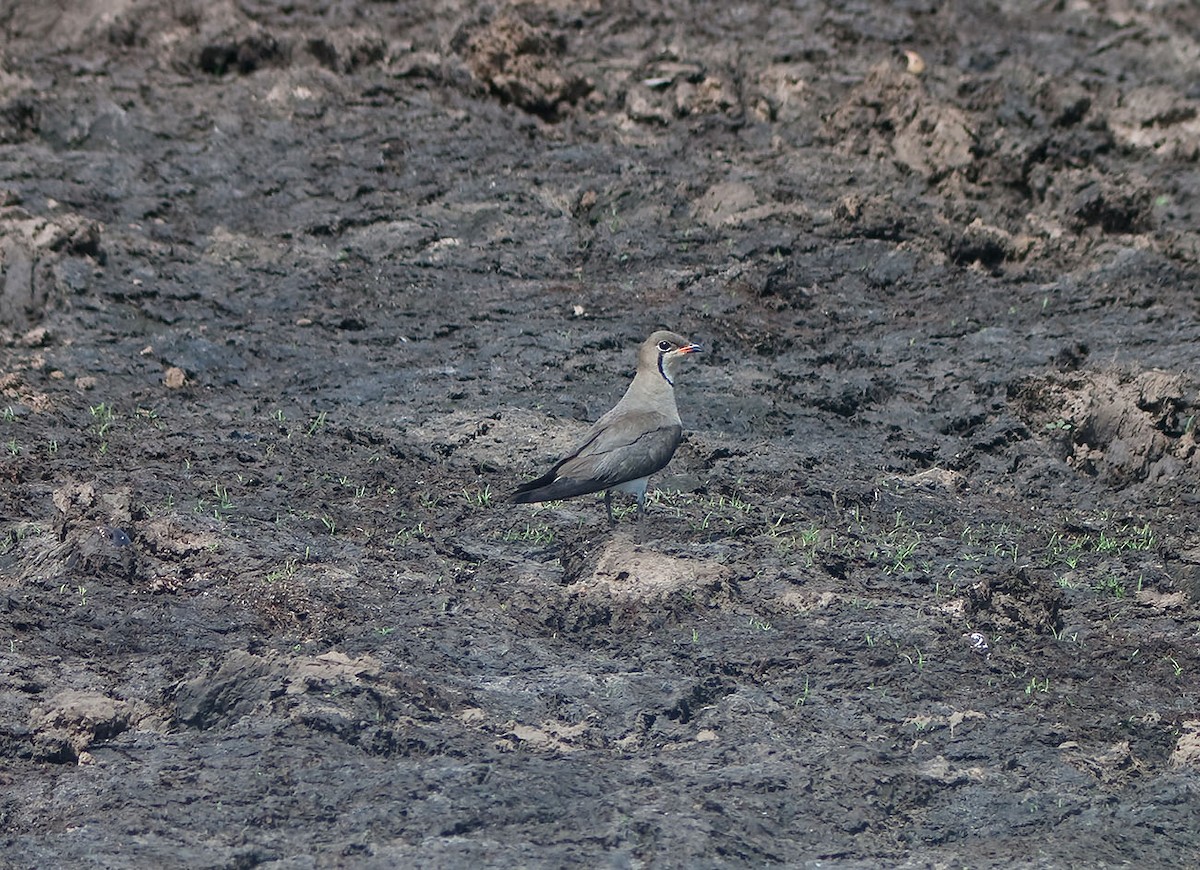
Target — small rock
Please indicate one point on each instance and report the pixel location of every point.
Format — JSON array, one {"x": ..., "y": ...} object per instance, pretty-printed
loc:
[{"x": 174, "y": 378}]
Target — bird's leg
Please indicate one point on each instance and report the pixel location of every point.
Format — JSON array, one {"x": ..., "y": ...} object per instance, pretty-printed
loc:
[
  {"x": 641, "y": 498},
  {"x": 608, "y": 506}
]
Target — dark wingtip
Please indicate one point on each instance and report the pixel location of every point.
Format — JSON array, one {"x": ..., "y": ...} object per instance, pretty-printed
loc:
[
  {"x": 556, "y": 490},
  {"x": 529, "y": 491}
]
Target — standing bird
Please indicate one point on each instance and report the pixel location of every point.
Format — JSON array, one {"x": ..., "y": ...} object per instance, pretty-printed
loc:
[{"x": 629, "y": 443}]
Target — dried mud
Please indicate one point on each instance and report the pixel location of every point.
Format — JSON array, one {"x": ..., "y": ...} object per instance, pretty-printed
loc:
[{"x": 293, "y": 295}]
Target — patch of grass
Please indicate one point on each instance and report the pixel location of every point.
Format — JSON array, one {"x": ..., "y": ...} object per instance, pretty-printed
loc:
[
  {"x": 406, "y": 536},
  {"x": 1130, "y": 537},
  {"x": 79, "y": 590},
  {"x": 893, "y": 548},
  {"x": 286, "y": 571},
  {"x": 1036, "y": 685},
  {"x": 1070, "y": 548},
  {"x": 1067, "y": 550},
  {"x": 317, "y": 423},
  {"x": 802, "y": 698},
  {"x": 757, "y": 622},
  {"x": 1110, "y": 585},
  {"x": 1062, "y": 636},
  {"x": 995, "y": 540},
  {"x": 360, "y": 489},
  {"x": 703, "y": 513},
  {"x": 220, "y": 506},
  {"x": 224, "y": 503},
  {"x": 17, "y": 534},
  {"x": 1075, "y": 550},
  {"x": 150, "y": 416},
  {"x": 805, "y": 540},
  {"x": 102, "y": 419},
  {"x": 896, "y": 551},
  {"x": 540, "y": 534},
  {"x": 621, "y": 509},
  {"x": 480, "y": 497},
  {"x": 733, "y": 502}
]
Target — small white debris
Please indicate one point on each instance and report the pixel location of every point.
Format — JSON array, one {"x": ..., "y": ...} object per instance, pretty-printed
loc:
[{"x": 979, "y": 643}]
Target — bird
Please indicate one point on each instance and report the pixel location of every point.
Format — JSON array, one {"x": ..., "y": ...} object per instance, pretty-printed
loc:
[{"x": 631, "y": 442}]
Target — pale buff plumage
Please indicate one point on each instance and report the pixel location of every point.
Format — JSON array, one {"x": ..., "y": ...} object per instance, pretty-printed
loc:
[{"x": 629, "y": 443}]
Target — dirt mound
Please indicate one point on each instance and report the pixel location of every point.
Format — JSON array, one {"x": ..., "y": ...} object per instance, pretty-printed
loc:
[{"x": 1124, "y": 428}]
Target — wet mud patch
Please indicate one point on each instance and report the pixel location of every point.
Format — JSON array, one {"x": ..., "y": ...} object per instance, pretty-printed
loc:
[
  {"x": 1016, "y": 601},
  {"x": 344, "y": 697}
]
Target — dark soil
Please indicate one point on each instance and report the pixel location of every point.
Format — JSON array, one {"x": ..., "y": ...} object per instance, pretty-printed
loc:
[{"x": 294, "y": 295}]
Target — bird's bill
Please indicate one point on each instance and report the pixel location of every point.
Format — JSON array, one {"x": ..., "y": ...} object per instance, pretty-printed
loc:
[{"x": 691, "y": 348}]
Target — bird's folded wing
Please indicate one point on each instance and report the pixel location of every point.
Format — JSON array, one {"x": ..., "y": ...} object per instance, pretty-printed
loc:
[
  {"x": 607, "y": 458},
  {"x": 622, "y": 453}
]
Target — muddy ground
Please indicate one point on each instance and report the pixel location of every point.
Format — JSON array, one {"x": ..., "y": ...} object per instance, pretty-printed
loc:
[{"x": 294, "y": 295}]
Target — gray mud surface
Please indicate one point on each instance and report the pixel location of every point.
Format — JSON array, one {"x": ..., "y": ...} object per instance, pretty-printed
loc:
[{"x": 293, "y": 296}]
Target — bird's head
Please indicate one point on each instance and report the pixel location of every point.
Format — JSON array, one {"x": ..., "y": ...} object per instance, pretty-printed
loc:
[{"x": 662, "y": 351}]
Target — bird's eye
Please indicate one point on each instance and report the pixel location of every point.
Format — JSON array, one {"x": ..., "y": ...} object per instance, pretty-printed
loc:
[{"x": 664, "y": 345}]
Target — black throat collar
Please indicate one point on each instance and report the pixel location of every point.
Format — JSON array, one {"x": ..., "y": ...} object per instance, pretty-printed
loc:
[{"x": 662, "y": 369}]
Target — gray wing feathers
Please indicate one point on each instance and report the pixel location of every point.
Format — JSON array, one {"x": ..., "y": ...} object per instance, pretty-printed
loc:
[
  {"x": 613, "y": 461},
  {"x": 610, "y": 455}
]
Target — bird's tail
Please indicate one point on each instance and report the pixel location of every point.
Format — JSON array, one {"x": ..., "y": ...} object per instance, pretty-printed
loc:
[{"x": 546, "y": 488}]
